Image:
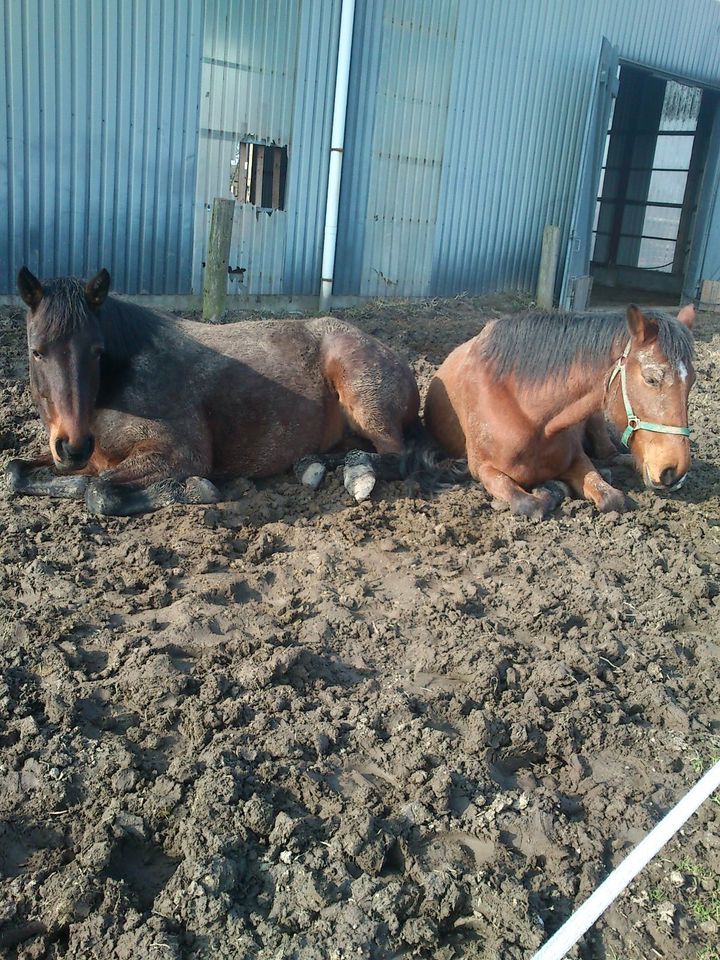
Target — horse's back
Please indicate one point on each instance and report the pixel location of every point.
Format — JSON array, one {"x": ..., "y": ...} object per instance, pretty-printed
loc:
[
  {"x": 449, "y": 397},
  {"x": 277, "y": 390}
]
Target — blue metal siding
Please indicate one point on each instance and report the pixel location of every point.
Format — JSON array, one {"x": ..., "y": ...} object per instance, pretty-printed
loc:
[
  {"x": 516, "y": 79},
  {"x": 268, "y": 75},
  {"x": 98, "y": 139},
  {"x": 391, "y": 188},
  {"x": 119, "y": 118}
]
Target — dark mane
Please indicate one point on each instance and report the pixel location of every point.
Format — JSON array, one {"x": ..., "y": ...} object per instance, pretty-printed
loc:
[
  {"x": 126, "y": 327},
  {"x": 544, "y": 346}
]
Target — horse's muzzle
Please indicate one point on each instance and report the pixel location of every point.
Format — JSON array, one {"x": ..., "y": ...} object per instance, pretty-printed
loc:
[
  {"x": 69, "y": 457},
  {"x": 670, "y": 479}
]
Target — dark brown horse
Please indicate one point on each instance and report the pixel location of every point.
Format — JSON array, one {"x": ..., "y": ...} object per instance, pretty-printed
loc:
[
  {"x": 519, "y": 400},
  {"x": 142, "y": 409}
]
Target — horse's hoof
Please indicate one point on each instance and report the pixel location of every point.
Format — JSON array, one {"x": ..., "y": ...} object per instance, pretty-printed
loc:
[
  {"x": 613, "y": 502},
  {"x": 103, "y": 499},
  {"x": 358, "y": 475},
  {"x": 310, "y": 472},
  {"x": 15, "y": 476},
  {"x": 201, "y": 490},
  {"x": 531, "y": 507},
  {"x": 552, "y": 494},
  {"x": 546, "y": 498}
]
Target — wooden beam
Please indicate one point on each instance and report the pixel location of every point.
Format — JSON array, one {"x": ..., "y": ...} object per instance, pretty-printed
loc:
[
  {"x": 259, "y": 173},
  {"x": 216, "y": 261},
  {"x": 277, "y": 166},
  {"x": 548, "y": 267},
  {"x": 241, "y": 174}
]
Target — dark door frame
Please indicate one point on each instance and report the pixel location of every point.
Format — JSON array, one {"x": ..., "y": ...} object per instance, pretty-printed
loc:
[{"x": 580, "y": 237}]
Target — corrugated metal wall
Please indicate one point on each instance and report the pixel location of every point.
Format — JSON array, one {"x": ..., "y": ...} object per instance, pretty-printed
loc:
[
  {"x": 464, "y": 130},
  {"x": 463, "y": 134},
  {"x": 98, "y": 141},
  {"x": 268, "y": 76}
]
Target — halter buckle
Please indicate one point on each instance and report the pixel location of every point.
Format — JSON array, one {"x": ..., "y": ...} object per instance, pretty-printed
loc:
[{"x": 633, "y": 422}]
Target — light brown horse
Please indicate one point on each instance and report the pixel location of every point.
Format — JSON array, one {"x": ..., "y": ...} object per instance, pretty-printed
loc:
[
  {"x": 142, "y": 409},
  {"x": 519, "y": 400}
]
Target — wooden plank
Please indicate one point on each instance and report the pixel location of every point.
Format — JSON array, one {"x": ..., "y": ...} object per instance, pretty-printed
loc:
[
  {"x": 259, "y": 173},
  {"x": 277, "y": 166},
  {"x": 215, "y": 278},
  {"x": 242, "y": 174}
]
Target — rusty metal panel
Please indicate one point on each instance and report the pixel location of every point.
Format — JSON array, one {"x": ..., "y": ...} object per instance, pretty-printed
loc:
[
  {"x": 268, "y": 74},
  {"x": 464, "y": 132},
  {"x": 98, "y": 139}
]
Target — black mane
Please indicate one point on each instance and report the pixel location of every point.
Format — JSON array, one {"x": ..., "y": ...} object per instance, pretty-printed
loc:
[
  {"x": 541, "y": 346},
  {"x": 126, "y": 327}
]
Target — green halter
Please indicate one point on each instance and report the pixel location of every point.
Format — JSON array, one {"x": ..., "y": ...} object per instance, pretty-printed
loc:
[{"x": 633, "y": 423}]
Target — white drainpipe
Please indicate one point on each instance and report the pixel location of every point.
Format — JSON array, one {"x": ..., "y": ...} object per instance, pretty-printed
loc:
[{"x": 337, "y": 141}]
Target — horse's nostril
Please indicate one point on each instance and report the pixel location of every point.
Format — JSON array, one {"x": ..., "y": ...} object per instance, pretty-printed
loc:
[
  {"x": 68, "y": 453},
  {"x": 668, "y": 477}
]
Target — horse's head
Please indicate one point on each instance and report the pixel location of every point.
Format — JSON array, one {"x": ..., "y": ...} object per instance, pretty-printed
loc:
[
  {"x": 648, "y": 395},
  {"x": 65, "y": 343}
]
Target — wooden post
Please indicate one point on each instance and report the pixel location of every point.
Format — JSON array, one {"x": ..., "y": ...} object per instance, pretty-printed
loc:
[
  {"x": 548, "y": 267},
  {"x": 216, "y": 262},
  {"x": 710, "y": 296}
]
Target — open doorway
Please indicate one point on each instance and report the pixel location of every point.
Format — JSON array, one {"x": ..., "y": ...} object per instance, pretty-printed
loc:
[{"x": 652, "y": 170}]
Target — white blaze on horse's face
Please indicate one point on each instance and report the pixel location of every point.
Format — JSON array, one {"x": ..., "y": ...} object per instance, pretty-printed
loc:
[{"x": 657, "y": 391}]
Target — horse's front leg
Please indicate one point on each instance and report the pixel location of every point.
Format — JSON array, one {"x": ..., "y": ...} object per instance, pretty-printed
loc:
[
  {"x": 146, "y": 481},
  {"x": 536, "y": 505},
  {"x": 584, "y": 480},
  {"x": 598, "y": 436},
  {"x": 39, "y": 478}
]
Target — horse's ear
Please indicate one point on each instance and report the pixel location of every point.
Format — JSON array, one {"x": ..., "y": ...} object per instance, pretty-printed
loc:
[
  {"x": 687, "y": 316},
  {"x": 97, "y": 289},
  {"x": 29, "y": 288},
  {"x": 642, "y": 329}
]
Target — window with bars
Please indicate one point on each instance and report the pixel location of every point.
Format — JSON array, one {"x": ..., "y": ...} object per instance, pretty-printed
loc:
[
  {"x": 643, "y": 188},
  {"x": 258, "y": 175}
]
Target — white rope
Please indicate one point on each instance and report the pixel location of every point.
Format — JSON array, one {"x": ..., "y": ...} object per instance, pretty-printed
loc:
[{"x": 584, "y": 917}]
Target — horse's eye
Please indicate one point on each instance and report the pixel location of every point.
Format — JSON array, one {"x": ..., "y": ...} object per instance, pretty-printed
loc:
[
  {"x": 37, "y": 355},
  {"x": 653, "y": 379},
  {"x": 96, "y": 351}
]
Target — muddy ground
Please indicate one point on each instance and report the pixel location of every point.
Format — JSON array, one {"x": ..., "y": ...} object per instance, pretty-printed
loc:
[{"x": 293, "y": 727}]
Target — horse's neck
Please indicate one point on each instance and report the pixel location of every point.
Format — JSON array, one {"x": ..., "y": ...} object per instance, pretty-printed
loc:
[
  {"x": 130, "y": 330},
  {"x": 572, "y": 402}
]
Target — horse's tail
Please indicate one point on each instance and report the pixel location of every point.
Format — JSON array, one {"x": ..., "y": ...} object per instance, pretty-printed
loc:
[{"x": 425, "y": 463}]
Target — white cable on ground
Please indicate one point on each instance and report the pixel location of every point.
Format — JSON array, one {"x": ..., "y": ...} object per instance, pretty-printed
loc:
[{"x": 584, "y": 917}]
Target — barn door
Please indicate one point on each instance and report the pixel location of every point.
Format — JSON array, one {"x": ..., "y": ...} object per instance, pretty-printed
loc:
[{"x": 576, "y": 281}]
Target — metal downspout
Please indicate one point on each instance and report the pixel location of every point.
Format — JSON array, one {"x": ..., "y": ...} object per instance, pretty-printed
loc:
[{"x": 337, "y": 141}]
